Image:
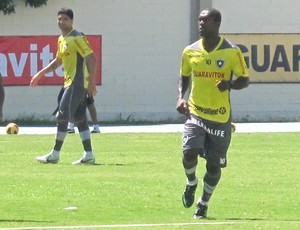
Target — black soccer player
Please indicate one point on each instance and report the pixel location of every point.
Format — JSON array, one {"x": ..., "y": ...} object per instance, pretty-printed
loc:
[{"x": 208, "y": 66}]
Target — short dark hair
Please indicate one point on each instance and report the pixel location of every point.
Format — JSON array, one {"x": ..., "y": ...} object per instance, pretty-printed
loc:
[
  {"x": 66, "y": 11},
  {"x": 215, "y": 14}
]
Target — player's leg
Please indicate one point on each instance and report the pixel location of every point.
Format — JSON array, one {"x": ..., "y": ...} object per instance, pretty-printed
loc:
[
  {"x": 85, "y": 136},
  {"x": 62, "y": 116},
  {"x": 210, "y": 181},
  {"x": 192, "y": 140},
  {"x": 216, "y": 151},
  {"x": 93, "y": 112},
  {"x": 189, "y": 162}
]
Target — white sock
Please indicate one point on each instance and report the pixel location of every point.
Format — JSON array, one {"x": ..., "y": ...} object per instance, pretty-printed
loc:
[
  {"x": 200, "y": 201},
  {"x": 55, "y": 153},
  {"x": 88, "y": 154},
  {"x": 192, "y": 183}
]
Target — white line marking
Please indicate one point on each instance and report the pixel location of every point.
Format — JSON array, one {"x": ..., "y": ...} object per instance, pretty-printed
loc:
[{"x": 121, "y": 225}]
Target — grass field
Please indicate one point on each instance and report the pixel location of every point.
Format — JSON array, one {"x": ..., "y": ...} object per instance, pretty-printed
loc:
[{"x": 138, "y": 181}]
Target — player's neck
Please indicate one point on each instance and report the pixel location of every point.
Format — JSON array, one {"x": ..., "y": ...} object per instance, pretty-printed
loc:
[
  {"x": 66, "y": 32},
  {"x": 210, "y": 43}
]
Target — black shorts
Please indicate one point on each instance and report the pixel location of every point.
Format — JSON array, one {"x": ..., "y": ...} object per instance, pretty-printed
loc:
[
  {"x": 211, "y": 138},
  {"x": 72, "y": 106},
  {"x": 90, "y": 100}
]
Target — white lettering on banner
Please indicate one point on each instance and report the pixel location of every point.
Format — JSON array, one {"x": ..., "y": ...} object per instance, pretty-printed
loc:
[
  {"x": 3, "y": 62},
  {"x": 18, "y": 65},
  {"x": 33, "y": 59}
]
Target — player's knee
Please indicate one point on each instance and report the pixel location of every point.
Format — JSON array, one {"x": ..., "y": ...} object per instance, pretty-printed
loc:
[
  {"x": 82, "y": 126},
  {"x": 213, "y": 169},
  {"x": 60, "y": 118},
  {"x": 190, "y": 154}
]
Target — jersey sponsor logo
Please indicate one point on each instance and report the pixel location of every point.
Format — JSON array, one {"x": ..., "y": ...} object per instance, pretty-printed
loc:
[
  {"x": 209, "y": 74},
  {"x": 241, "y": 63},
  {"x": 185, "y": 139},
  {"x": 212, "y": 131},
  {"x": 210, "y": 111},
  {"x": 222, "y": 110}
]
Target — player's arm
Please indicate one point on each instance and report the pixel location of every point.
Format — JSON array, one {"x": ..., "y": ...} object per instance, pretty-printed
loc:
[
  {"x": 49, "y": 68},
  {"x": 239, "y": 83},
  {"x": 183, "y": 85},
  {"x": 91, "y": 66}
]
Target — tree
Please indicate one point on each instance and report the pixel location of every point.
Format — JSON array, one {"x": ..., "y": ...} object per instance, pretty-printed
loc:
[{"x": 9, "y": 7}]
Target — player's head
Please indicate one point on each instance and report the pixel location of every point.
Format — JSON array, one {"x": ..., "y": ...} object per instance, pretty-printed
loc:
[
  {"x": 209, "y": 22},
  {"x": 65, "y": 19},
  {"x": 66, "y": 11}
]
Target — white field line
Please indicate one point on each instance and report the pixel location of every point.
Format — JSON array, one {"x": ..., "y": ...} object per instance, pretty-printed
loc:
[
  {"x": 171, "y": 128},
  {"x": 121, "y": 226}
]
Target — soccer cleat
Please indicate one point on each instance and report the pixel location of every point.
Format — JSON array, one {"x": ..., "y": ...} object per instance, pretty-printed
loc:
[
  {"x": 71, "y": 130},
  {"x": 200, "y": 212},
  {"x": 48, "y": 158},
  {"x": 95, "y": 130},
  {"x": 85, "y": 160},
  {"x": 188, "y": 195}
]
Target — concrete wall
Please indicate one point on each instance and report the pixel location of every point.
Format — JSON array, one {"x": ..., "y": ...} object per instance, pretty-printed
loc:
[
  {"x": 263, "y": 102},
  {"x": 142, "y": 45}
]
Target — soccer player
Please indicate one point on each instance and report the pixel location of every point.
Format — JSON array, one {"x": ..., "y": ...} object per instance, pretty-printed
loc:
[
  {"x": 209, "y": 65},
  {"x": 79, "y": 62},
  {"x": 2, "y": 97}
]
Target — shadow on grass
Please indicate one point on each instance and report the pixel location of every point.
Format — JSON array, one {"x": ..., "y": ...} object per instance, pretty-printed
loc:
[
  {"x": 255, "y": 219},
  {"x": 26, "y": 221},
  {"x": 260, "y": 219},
  {"x": 115, "y": 164}
]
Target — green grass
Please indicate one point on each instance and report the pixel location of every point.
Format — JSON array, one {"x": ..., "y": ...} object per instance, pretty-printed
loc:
[{"x": 138, "y": 179}]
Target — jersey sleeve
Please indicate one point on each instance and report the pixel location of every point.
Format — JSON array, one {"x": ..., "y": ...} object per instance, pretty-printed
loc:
[
  {"x": 185, "y": 69},
  {"x": 239, "y": 65},
  {"x": 83, "y": 46},
  {"x": 58, "y": 53}
]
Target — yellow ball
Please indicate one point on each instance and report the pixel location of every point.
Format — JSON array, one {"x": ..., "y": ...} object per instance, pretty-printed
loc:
[{"x": 12, "y": 128}]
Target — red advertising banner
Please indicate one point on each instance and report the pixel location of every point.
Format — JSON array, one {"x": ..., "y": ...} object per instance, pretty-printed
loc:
[{"x": 21, "y": 57}]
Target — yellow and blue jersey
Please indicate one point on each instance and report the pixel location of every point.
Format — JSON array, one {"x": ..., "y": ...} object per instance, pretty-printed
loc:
[
  {"x": 72, "y": 50},
  {"x": 205, "y": 69}
]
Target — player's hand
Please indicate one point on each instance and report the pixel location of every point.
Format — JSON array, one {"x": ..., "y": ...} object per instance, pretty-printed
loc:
[
  {"x": 182, "y": 106},
  {"x": 222, "y": 85},
  {"x": 34, "y": 80},
  {"x": 91, "y": 89}
]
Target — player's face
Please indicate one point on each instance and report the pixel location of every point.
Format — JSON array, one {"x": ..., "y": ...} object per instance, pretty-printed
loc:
[
  {"x": 206, "y": 24},
  {"x": 64, "y": 22}
]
